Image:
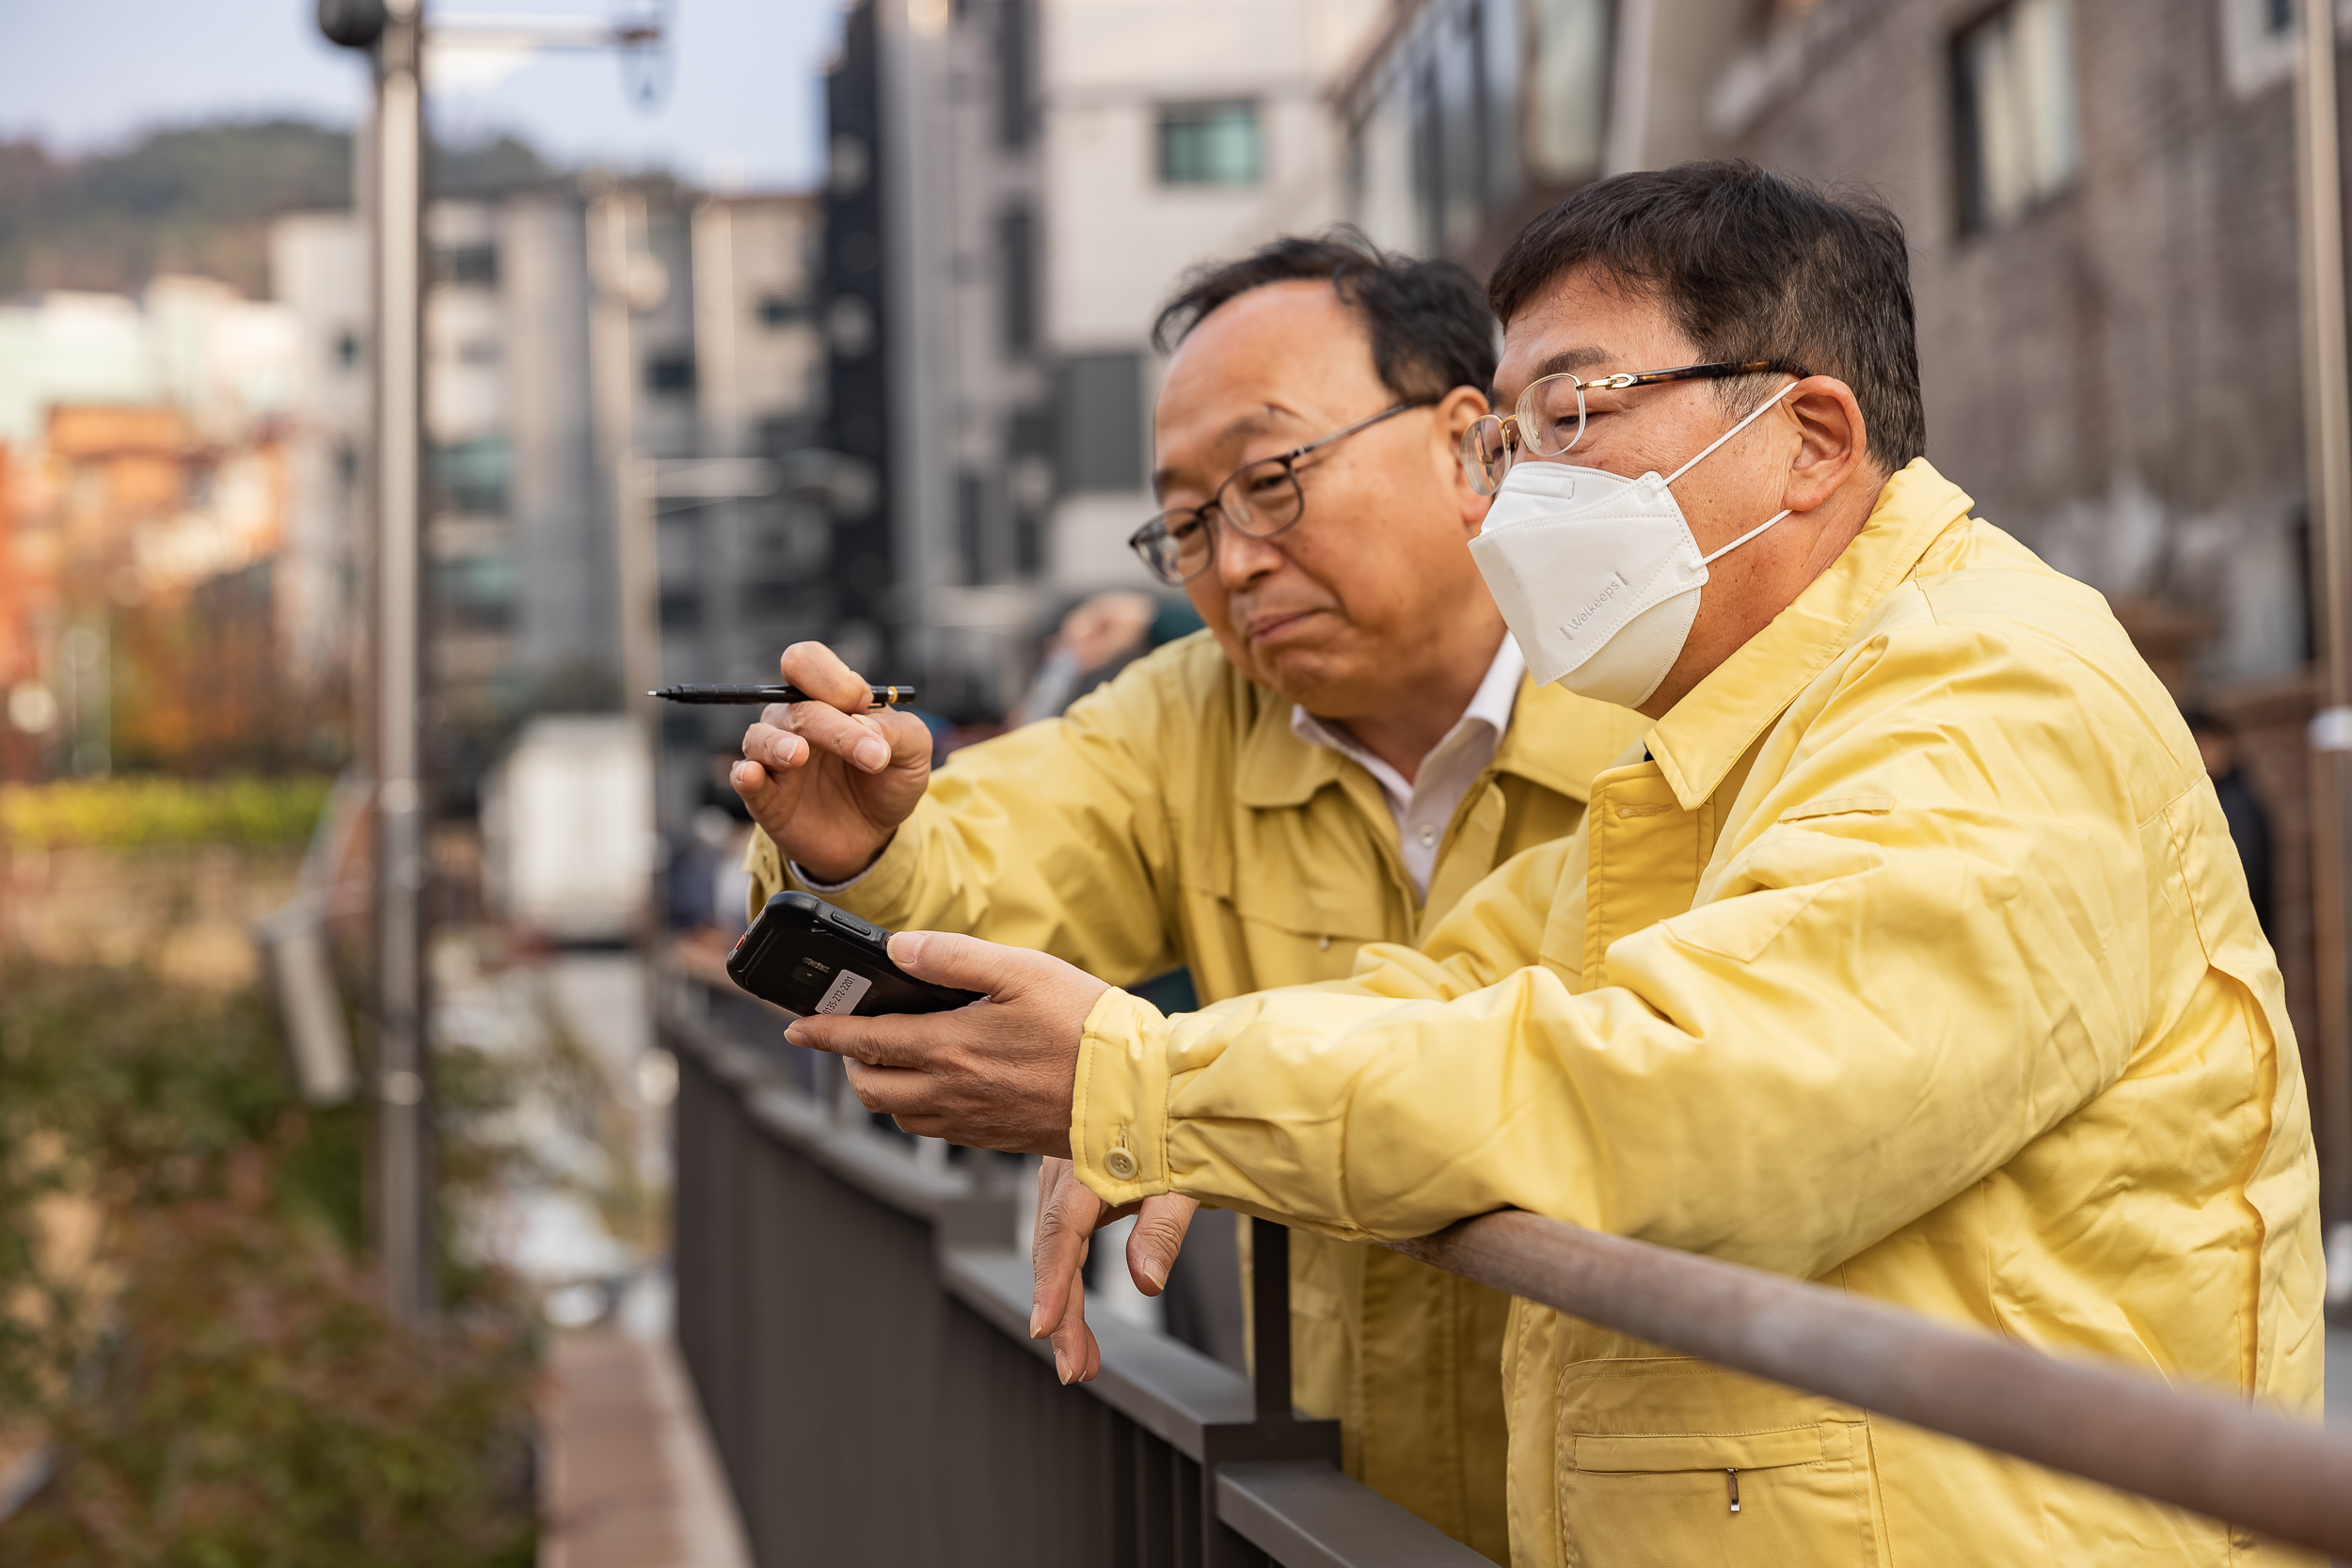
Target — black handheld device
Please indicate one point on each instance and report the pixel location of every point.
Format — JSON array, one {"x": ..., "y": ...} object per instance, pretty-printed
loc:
[{"x": 807, "y": 957}]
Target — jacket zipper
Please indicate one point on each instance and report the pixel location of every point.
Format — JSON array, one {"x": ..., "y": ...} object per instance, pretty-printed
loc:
[{"x": 1733, "y": 1478}]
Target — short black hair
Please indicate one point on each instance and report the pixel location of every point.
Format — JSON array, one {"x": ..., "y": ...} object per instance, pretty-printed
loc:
[
  {"x": 1428, "y": 322},
  {"x": 1750, "y": 265}
]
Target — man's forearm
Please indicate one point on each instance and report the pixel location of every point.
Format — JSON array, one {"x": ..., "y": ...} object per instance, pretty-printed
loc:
[{"x": 1765, "y": 1111}]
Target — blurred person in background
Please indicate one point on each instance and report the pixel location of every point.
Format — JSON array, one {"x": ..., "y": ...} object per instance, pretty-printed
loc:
[
  {"x": 1351, "y": 745},
  {"x": 2249, "y": 823},
  {"x": 705, "y": 884},
  {"x": 1102, "y": 635}
]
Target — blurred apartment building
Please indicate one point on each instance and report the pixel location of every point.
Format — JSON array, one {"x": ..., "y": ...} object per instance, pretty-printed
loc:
[
  {"x": 2099, "y": 203},
  {"x": 2098, "y": 194},
  {"x": 143, "y": 502},
  {"x": 567, "y": 330},
  {"x": 1015, "y": 186}
]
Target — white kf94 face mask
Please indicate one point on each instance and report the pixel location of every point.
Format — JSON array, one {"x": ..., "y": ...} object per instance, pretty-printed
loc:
[{"x": 1598, "y": 574}]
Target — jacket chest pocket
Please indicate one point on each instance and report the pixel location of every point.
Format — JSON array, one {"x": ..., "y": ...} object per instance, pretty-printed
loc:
[
  {"x": 1644, "y": 855},
  {"x": 1755, "y": 1486}
]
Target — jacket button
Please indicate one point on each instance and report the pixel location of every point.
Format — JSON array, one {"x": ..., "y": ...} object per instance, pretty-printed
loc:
[
  {"x": 1120, "y": 1163},
  {"x": 1428, "y": 834}
]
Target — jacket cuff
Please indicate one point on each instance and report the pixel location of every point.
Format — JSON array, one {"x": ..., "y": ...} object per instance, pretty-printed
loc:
[
  {"x": 1118, "y": 1106},
  {"x": 874, "y": 890},
  {"x": 764, "y": 864}
]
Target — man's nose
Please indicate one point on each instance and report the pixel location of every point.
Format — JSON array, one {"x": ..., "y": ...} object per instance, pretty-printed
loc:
[{"x": 1241, "y": 560}]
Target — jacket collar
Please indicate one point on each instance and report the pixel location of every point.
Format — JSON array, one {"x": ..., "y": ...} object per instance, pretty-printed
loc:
[
  {"x": 1550, "y": 742},
  {"x": 1695, "y": 744}
]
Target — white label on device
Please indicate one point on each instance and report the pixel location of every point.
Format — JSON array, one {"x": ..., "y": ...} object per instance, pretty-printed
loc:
[{"x": 848, "y": 990}]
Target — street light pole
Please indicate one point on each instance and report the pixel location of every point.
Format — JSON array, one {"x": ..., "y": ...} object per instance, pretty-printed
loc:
[
  {"x": 404, "y": 1125},
  {"x": 393, "y": 30},
  {"x": 396, "y": 33}
]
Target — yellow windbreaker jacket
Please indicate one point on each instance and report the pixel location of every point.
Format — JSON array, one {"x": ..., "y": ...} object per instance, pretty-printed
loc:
[
  {"x": 1910, "y": 954},
  {"x": 1172, "y": 818}
]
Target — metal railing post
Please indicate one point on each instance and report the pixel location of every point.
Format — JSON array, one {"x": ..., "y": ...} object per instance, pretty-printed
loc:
[
  {"x": 1275, "y": 1432},
  {"x": 1270, "y": 1304}
]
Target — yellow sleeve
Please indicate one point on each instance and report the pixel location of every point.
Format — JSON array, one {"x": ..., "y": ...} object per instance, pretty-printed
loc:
[
  {"x": 1055, "y": 836},
  {"x": 1876, "y": 1007}
]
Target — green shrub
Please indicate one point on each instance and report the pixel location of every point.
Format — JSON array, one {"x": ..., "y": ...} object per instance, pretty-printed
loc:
[
  {"x": 158, "y": 810},
  {"x": 238, "y": 1395}
]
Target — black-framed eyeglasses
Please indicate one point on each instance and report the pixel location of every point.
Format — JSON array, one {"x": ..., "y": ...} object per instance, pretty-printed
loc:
[
  {"x": 1551, "y": 413},
  {"x": 1259, "y": 498}
]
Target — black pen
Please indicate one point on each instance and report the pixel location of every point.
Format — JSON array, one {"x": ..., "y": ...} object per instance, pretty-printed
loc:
[{"x": 760, "y": 696}]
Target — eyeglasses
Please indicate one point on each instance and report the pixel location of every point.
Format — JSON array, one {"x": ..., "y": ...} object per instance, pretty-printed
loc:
[
  {"x": 1260, "y": 499},
  {"x": 1551, "y": 413}
]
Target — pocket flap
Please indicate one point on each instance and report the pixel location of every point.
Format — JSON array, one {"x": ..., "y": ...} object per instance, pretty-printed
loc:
[
  {"x": 1840, "y": 805},
  {"x": 1745, "y": 1450}
]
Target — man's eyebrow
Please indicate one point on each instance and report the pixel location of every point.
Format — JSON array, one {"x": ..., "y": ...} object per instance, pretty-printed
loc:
[
  {"x": 1567, "y": 360},
  {"x": 1257, "y": 422}
]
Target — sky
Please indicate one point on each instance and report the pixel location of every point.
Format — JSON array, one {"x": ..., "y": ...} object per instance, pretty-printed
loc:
[{"x": 743, "y": 108}]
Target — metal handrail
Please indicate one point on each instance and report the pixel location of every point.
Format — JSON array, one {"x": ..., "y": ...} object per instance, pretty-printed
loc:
[{"x": 2194, "y": 1450}]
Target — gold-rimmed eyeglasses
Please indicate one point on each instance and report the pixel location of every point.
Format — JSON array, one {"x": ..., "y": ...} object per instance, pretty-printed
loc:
[
  {"x": 1259, "y": 498},
  {"x": 1551, "y": 414}
]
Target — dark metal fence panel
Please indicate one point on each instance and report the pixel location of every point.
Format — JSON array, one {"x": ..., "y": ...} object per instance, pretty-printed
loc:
[
  {"x": 856, "y": 1326},
  {"x": 841, "y": 1336},
  {"x": 706, "y": 1230}
]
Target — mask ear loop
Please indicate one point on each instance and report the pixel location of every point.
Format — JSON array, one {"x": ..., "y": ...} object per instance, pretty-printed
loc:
[
  {"x": 1754, "y": 414},
  {"x": 1706, "y": 559}
]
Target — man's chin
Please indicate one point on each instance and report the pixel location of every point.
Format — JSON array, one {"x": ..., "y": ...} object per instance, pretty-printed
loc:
[{"x": 1314, "y": 676}]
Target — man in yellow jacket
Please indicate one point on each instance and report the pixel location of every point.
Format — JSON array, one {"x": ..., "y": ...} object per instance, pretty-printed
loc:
[
  {"x": 1907, "y": 952},
  {"x": 1351, "y": 747}
]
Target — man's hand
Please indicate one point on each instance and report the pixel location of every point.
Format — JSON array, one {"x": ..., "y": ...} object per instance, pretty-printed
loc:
[
  {"x": 1068, "y": 1215},
  {"x": 831, "y": 780},
  {"x": 997, "y": 1074}
]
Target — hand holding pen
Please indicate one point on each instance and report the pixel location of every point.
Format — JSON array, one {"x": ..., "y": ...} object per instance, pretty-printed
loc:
[{"x": 833, "y": 766}]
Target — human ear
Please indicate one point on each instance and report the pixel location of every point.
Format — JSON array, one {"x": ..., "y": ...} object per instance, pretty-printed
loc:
[
  {"x": 1461, "y": 409},
  {"x": 1831, "y": 441}
]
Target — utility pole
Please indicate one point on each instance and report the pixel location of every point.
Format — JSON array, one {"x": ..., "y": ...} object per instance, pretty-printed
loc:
[
  {"x": 628, "y": 280},
  {"x": 394, "y": 32},
  {"x": 2327, "y": 442}
]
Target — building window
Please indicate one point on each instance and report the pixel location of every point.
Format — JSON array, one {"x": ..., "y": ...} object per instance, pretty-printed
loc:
[
  {"x": 1016, "y": 114},
  {"x": 477, "y": 264},
  {"x": 469, "y": 477},
  {"x": 1568, "y": 101},
  {"x": 476, "y": 593},
  {"x": 670, "y": 374},
  {"x": 1016, "y": 279},
  {"x": 2015, "y": 111},
  {"x": 2259, "y": 44},
  {"x": 1099, "y": 401},
  {"x": 777, "y": 311},
  {"x": 972, "y": 524},
  {"x": 1209, "y": 144}
]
